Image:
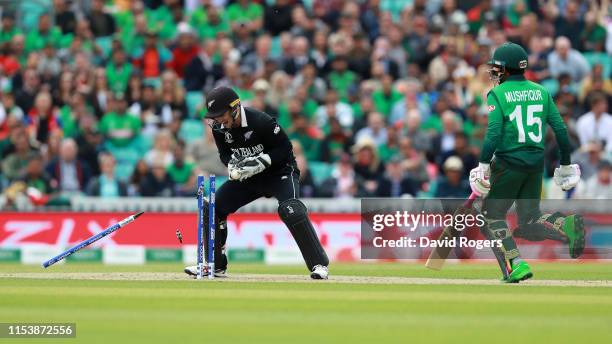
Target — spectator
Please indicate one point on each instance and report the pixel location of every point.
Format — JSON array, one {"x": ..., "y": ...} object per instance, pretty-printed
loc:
[
  {"x": 204, "y": 152},
  {"x": 102, "y": 24},
  {"x": 452, "y": 185},
  {"x": 302, "y": 132},
  {"x": 157, "y": 182},
  {"x": 182, "y": 172},
  {"x": 44, "y": 35},
  {"x": 260, "y": 89},
  {"x": 444, "y": 141},
  {"x": 153, "y": 57},
  {"x": 413, "y": 161},
  {"x": 162, "y": 150},
  {"x": 186, "y": 50},
  {"x": 8, "y": 112},
  {"x": 367, "y": 165},
  {"x": 15, "y": 164},
  {"x": 278, "y": 18},
  {"x": 117, "y": 126},
  {"x": 118, "y": 72},
  {"x": 594, "y": 84},
  {"x": 390, "y": 147},
  {"x": 8, "y": 30},
  {"x": 279, "y": 88},
  {"x": 64, "y": 17},
  {"x": 570, "y": 24},
  {"x": 172, "y": 98},
  {"x": 375, "y": 130},
  {"x": 49, "y": 65},
  {"x": 308, "y": 79},
  {"x": 68, "y": 173},
  {"x": 596, "y": 124},
  {"x": 89, "y": 140},
  {"x": 101, "y": 94},
  {"x": 343, "y": 183},
  {"x": 299, "y": 57},
  {"x": 202, "y": 72},
  {"x": 412, "y": 130},
  {"x": 394, "y": 183},
  {"x": 245, "y": 12},
  {"x": 36, "y": 177},
  {"x": 593, "y": 37},
  {"x": 333, "y": 107},
  {"x": 141, "y": 170},
  {"x": 386, "y": 96},
  {"x": 341, "y": 78},
  {"x": 336, "y": 143},
  {"x": 588, "y": 158},
  {"x": 217, "y": 26},
  {"x": 106, "y": 185},
  {"x": 307, "y": 184},
  {"x": 461, "y": 150},
  {"x": 302, "y": 25},
  {"x": 42, "y": 118},
  {"x": 597, "y": 186},
  {"x": 31, "y": 84},
  {"x": 565, "y": 60}
]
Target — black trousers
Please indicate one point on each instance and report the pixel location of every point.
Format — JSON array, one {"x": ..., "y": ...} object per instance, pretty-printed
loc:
[{"x": 233, "y": 195}]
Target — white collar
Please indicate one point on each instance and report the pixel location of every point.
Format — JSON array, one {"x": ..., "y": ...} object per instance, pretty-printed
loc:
[{"x": 243, "y": 120}]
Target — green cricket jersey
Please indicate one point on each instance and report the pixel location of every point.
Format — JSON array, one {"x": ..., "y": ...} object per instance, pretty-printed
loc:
[{"x": 518, "y": 113}]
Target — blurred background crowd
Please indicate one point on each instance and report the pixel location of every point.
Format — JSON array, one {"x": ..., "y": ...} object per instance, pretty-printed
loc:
[{"x": 379, "y": 97}]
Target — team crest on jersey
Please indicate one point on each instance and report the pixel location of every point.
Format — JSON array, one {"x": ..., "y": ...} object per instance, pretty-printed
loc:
[
  {"x": 248, "y": 134},
  {"x": 228, "y": 137},
  {"x": 276, "y": 129},
  {"x": 491, "y": 108}
]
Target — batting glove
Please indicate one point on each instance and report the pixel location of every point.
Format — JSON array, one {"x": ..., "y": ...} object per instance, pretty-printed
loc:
[
  {"x": 567, "y": 176},
  {"x": 479, "y": 179}
]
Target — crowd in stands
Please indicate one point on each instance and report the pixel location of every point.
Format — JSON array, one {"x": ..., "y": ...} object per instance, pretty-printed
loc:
[{"x": 380, "y": 97}]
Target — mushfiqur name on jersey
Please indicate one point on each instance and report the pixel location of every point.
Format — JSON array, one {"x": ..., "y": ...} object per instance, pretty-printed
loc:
[{"x": 524, "y": 95}]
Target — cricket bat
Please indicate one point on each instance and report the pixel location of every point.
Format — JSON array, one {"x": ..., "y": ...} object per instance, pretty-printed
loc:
[{"x": 438, "y": 255}]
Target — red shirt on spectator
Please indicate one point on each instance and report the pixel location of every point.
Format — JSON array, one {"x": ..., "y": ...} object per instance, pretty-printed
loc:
[
  {"x": 150, "y": 63},
  {"x": 41, "y": 127},
  {"x": 9, "y": 64},
  {"x": 180, "y": 59}
]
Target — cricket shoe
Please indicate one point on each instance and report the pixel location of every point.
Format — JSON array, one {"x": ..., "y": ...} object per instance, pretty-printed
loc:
[
  {"x": 193, "y": 271},
  {"x": 319, "y": 272},
  {"x": 520, "y": 272},
  {"x": 573, "y": 227}
]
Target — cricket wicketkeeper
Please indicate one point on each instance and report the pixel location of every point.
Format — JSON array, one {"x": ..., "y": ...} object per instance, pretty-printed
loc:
[
  {"x": 519, "y": 111},
  {"x": 260, "y": 162}
]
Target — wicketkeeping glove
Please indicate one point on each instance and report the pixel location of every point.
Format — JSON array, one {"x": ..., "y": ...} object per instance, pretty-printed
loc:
[
  {"x": 567, "y": 176},
  {"x": 232, "y": 169},
  {"x": 253, "y": 165},
  {"x": 479, "y": 179}
]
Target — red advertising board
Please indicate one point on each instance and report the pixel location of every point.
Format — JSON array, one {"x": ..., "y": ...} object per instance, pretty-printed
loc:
[{"x": 159, "y": 229}]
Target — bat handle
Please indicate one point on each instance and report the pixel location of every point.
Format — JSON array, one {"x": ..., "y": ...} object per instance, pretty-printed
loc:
[{"x": 468, "y": 203}]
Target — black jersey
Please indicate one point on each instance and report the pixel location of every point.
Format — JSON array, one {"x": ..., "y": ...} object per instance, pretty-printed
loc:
[{"x": 258, "y": 133}]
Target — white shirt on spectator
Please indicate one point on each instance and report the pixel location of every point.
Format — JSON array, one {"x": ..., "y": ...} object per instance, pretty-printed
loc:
[
  {"x": 575, "y": 65},
  {"x": 593, "y": 189},
  {"x": 590, "y": 129},
  {"x": 344, "y": 113},
  {"x": 379, "y": 137}
]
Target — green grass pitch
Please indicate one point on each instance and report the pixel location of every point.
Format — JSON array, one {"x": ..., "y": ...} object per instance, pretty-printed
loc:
[{"x": 189, "y": 311}]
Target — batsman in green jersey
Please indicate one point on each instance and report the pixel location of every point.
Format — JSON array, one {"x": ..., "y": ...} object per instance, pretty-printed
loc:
[{"x": 512, "y": 162}]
